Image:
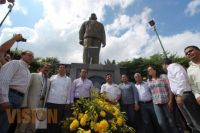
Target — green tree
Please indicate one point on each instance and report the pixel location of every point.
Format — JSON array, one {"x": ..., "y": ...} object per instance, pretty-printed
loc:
[
  {"x": 53, "y": 62},
  {"x": 109, "y": 62},
  {"x": 140, "y": 64}
]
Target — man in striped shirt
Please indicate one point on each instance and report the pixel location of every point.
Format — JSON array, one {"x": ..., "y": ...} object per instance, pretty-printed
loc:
[{"x": 14, "y": 80}]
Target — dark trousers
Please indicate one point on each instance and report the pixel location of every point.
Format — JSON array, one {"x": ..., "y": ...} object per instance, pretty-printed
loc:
[
  {"x": 149, "y": 118},
  {"x": 191, "y": 112},
  {"x": 61, "y": 115},
  {"x": 128, "y": 108}
]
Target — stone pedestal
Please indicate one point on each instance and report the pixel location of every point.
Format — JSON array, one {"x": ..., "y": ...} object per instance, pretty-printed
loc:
[{"x": 96, "y": 72}]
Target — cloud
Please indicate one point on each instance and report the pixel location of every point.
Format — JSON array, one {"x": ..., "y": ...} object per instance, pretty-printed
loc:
[
  {"x": 129, "y": 43},
  {"x": 55, "y": 34},
  {"x": 122, "y": 3},
  {"x": 175, "y": 44},
  {"x": 193, "y": 7}
]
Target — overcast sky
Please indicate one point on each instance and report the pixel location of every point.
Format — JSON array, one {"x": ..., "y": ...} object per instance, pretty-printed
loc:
[{"x": 52, "y": 26}]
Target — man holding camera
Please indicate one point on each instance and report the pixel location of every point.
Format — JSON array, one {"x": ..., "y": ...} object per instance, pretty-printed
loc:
[
  {"x": 14, "y": 81},
  {"x": 7, "y": 45}
]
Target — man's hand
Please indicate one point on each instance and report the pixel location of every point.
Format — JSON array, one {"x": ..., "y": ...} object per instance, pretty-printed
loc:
[
  {"x": 81, "y": 42},
  {"x": 136, "y": 107},
  {"x": 103, "y": 45},
  {"x": 170, "y": 106},
  {"x": 17, "y": 37},
  {"x": 198, "y": 100},
  {"x": 179, "y": 101},
  {"x": 4, "y": 106}
]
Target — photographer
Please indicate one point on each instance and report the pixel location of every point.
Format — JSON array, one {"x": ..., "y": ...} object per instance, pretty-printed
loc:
[{"x": 7, "y": 45}]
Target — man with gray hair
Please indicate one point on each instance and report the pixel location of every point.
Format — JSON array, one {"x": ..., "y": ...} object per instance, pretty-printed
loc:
[
  {"x": 91, "y": 35},
  {"x": 14, "y": 80},
  {"x": 146, "y": 106}
]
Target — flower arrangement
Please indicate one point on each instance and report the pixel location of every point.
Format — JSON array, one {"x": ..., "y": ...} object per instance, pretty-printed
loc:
[{"x": 96, "y": 115}]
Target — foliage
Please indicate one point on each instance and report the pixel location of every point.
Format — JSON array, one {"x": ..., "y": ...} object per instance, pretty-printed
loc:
[
  {"x": 37, "y": 62},
  {"x": 140, "y": 64},
  {"x": 53, "y": 62},
  {"x": 109, "y": 62},
  {"x": 96, "y": 115}
]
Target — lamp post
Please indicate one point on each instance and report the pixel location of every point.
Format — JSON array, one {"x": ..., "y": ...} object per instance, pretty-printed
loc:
[
  {"x": 10, "y": 6},
  {"x": 153, "y": 24}
]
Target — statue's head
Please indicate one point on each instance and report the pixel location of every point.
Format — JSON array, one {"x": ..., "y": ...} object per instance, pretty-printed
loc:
[{"x": 93, "y": 16}]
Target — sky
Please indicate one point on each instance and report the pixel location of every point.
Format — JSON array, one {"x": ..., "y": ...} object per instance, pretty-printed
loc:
[{"x": 51, "y": 27}]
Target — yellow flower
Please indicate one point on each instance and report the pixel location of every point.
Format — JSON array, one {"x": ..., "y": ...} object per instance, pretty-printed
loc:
[
  {"x": 103, "y": 113},
  {"x": 107, "y": 107},
  {"x": 120, "y": 121},
  {"x": 104, "y": 125},
  {"x": 100, "y": 102},
  {"x": 116, "y": 113},
  {"x": 85, "y": 116},
  {"x": 80, "y": 115},
  {"x": 97, "y": 127},
  {"x": 83, "y": 121},
  {"x": 74, "y": 125}
]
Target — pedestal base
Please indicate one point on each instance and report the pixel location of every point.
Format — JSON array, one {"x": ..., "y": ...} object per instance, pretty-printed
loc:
[{"x": 96, "y": 72}]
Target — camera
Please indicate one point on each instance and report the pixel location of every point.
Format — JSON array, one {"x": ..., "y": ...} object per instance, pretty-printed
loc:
[{"x": 23, "y": 39}]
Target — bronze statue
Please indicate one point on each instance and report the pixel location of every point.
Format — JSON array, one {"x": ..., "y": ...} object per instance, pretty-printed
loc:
[{"x": 91, "y": 36}]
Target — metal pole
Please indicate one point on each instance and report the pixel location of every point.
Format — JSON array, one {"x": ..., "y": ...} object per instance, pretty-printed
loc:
[
  {"x": 10, "y": 6},
  {"x": 160, "y": 42}
]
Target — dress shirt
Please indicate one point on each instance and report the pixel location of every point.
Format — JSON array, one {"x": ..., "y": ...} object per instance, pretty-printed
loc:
[
  {"x": 81, "y": 88},
  {"x": 129, "y": 94},
  {"x": 178, "y": 79},
  {"x": 111, "y": 91},
  {"x": 144, "y": 92},
  {"x": 16, "y": 75},
  {"x": 159, "y": 90},
  {"x": 194, "y": 78},
  {"x": 60, "y": 89}
]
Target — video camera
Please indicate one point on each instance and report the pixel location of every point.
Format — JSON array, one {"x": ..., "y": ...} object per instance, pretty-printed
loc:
[{"x": 23, "y": 39}]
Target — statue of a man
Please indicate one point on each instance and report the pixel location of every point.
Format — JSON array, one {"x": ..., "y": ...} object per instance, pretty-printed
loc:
[{"x": 91, "y": 36}]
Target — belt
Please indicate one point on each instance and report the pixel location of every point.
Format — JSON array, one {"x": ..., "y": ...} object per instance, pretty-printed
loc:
[
  {"x": 185, "y": 92},
  {"x": 145, "y": 101},
  {"x": 17, "y": 92}
]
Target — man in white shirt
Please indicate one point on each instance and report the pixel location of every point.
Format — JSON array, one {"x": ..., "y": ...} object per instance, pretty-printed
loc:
[
  {"x": 58, "y": 97},
  {"x": 193, "y": 54},
  {"x": 14, "y": 81},
  {"x": 146, "y": 106},
  {"x": 111, "y": 90},
  {"x": 179, "y": 84}
]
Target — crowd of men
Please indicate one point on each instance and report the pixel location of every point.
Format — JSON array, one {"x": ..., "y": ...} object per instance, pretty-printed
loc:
[{"x": 161, "y": 104}]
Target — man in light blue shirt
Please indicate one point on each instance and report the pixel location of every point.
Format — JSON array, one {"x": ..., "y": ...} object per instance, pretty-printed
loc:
[{"x": 81, "y": 87}]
